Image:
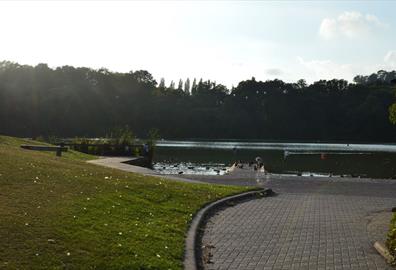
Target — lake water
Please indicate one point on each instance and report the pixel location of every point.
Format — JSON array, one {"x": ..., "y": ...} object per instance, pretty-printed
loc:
[{"x": 213, "y": 157}]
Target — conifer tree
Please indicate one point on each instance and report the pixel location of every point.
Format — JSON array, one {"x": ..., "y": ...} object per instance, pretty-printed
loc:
[
  {"x": 172, "y": 85},
  {"x": 180, "y": 86},
  {"x": 162, "y": 83},
  {"x": 194, "y": 87},
  {"x": 187, "y": 86}
]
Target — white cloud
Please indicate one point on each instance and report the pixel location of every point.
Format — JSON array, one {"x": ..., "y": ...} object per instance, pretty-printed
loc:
[{"x": 350, "y": 24}]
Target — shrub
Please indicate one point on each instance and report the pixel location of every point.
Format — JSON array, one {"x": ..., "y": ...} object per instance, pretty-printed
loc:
[{"x": 391, "y": 241}]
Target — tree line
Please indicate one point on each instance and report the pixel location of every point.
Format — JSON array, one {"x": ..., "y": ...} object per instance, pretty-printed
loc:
[{"x": 68, "y": 102}]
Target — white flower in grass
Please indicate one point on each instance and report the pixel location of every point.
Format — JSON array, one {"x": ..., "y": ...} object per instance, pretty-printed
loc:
[
  {"x": 120, "y": 233},
  {"x": 88, "y": 198},
  {"x": 159, "y": 256},
  {"x": 85, "y": 208},
  {"x": 68, "y": 253},
  {"x": 106, "y": 224},
  {"x": 26, "y": 224},
  {"x": 37, "y": 254},
  {"x": 74, "y": 217},
  {"x": 166, "y": 247},
  {"x": 120, "y": 245},
  {"x": 106, "y": 177}
]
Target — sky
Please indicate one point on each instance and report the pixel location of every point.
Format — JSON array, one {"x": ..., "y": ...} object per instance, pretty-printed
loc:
[{"x": 224, "y": 41}]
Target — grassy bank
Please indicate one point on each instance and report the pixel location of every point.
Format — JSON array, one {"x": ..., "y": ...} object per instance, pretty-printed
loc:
[
  {"x": 391, "y": 241},
  {"x": 62, "y": 213}
]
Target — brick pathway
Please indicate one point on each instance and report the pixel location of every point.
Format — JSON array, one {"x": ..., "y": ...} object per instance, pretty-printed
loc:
[
  {"x": 317, "y": 229},
  {"x": 314, "y": 223}
]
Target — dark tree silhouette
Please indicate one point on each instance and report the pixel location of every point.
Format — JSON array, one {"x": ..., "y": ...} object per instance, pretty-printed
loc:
[{"x": 69, "y": 101}]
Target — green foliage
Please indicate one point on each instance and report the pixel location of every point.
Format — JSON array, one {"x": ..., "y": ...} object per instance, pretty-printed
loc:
[
  {"x": 122, "y": 136},
  {"x": 392, "y": 113},
  {"x": 68, "y": 102},
  {"x": 153, "y": 137},
  {"x": 120, "y": 141},
  {"x": 382, "y": 77},
  {"x": 52, "y": 139},
  {"x": 61, "y": 213},
  {"x": 391, "y": 241}
]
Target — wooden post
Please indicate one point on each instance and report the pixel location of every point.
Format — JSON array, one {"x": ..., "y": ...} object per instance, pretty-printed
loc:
[{"x": 59, "y": 151}]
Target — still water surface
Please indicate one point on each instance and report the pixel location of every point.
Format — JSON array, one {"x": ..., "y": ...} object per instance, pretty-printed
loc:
[{"x": 212, "y": 157}]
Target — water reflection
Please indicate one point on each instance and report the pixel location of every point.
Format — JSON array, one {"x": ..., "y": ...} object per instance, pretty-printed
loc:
[
  {"x": 358, "y": 160},
  {"x": 344, "y": 147}
]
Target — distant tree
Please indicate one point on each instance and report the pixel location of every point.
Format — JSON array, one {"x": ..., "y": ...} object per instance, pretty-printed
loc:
[
  {"x": 68, "y": 101},
  {"x": 194, "y": 87},
  {"x": 392, "y": 113},
  {"x": 162, "y": 83},
  {"x": 187, "y": 86},
  {"x": 382, "y": 77},
  {"x": 359, "y": 79},
  {"x": 301, "y": 84},
  {"x": 144, "y": 76},
  {"x": 392, "y": 110},
  {"x": 172, "y": 85},
  {"x": 180, "y": 85}
]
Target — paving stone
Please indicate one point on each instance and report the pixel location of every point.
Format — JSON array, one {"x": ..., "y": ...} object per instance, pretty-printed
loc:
[{"x": 312, "y": 230}]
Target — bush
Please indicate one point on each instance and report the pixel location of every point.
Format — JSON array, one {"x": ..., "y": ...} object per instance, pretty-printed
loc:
[{"x": 391, "y": 241}]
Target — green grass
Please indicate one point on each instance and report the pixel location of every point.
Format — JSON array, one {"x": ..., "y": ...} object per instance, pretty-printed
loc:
[
  {"x": 62, "y": 213},
  {"x": 391, "y": 241}
]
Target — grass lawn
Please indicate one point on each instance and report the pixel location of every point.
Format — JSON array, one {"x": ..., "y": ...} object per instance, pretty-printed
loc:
[
  {"x": 62, "y": 213},
  {"x": 391, "y": 241}
]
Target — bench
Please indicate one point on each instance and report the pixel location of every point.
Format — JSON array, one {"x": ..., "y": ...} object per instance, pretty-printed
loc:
[{"x": 57, "y": 149}]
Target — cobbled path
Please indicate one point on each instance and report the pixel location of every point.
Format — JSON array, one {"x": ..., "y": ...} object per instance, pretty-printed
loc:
[
  {"x": 324, "y": 227},
  {"x": 313, "y": 222}
]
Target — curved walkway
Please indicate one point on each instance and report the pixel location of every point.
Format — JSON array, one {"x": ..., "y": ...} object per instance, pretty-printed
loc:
[
  {"x": 120, "y": 163},
  {"x": 311, "y": 224}
]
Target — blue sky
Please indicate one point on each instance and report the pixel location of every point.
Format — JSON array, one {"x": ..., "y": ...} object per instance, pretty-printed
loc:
[{"x": 226, "y": 41}]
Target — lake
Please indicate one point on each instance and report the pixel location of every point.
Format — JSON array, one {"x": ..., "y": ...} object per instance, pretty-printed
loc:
[{"x": 319, "y": 159}]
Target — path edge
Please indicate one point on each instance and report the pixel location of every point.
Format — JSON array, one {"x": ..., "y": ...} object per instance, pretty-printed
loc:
[
  {"x": 192, "y": 256},
  {"x": 384, "y": 252}
]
